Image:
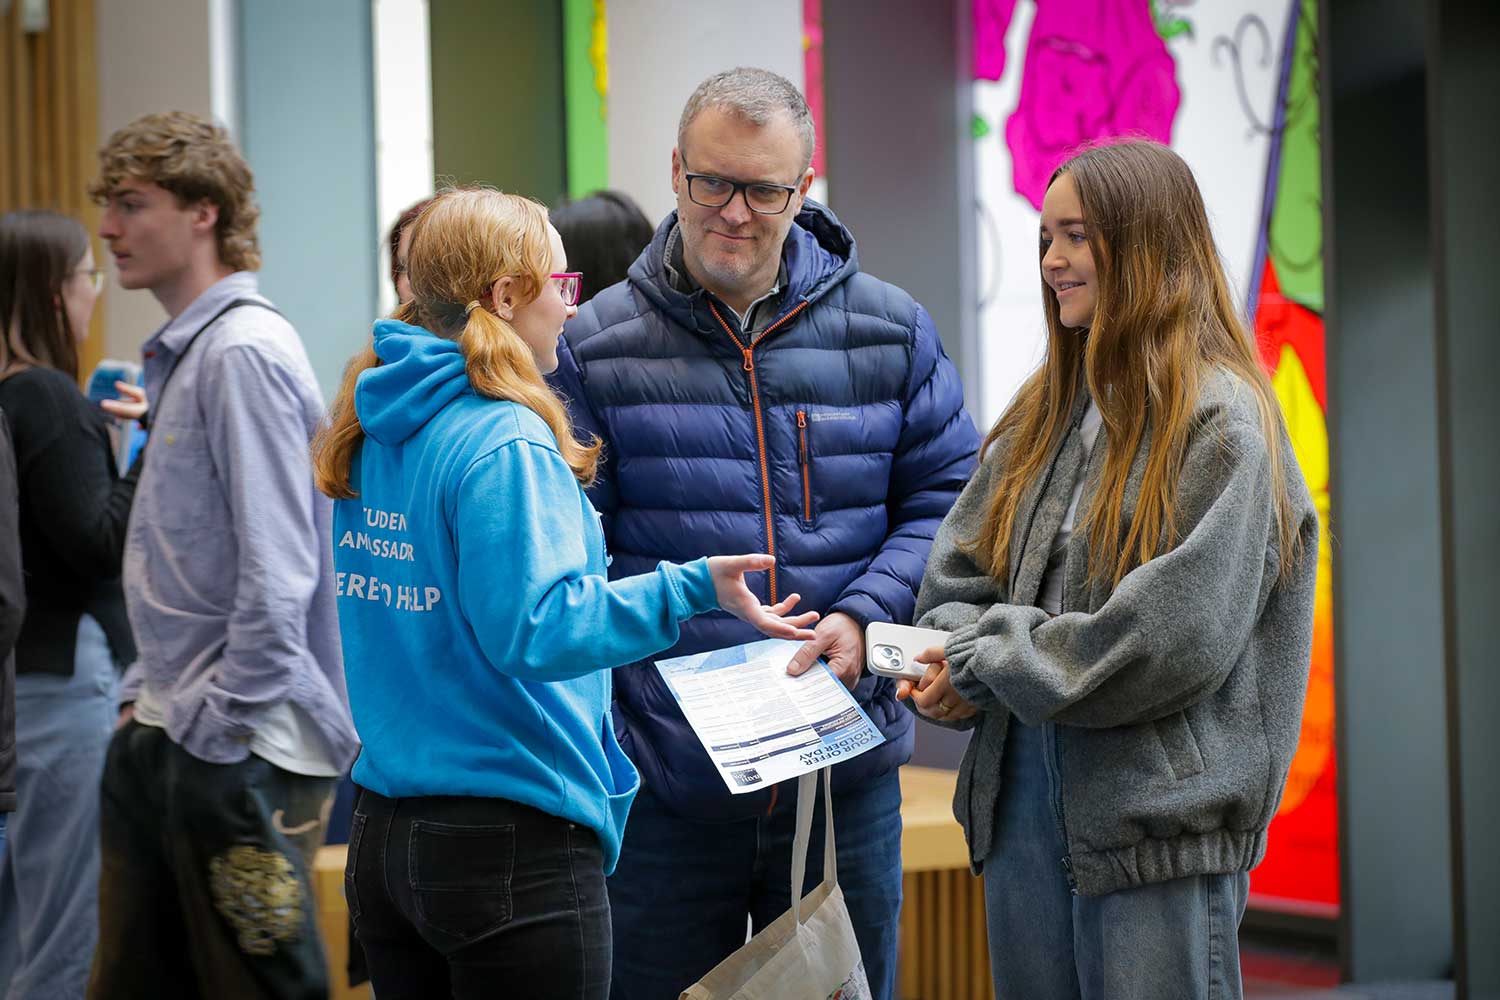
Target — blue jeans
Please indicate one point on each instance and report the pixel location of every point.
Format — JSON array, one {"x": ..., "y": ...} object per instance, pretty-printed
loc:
[
  {"x": 684, "y": 890},
  {"x": 1171, "y": 939},
  {"x": 49, "y": 879}
]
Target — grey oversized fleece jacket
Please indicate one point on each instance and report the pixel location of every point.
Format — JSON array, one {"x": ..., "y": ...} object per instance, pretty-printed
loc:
[{"x": 1176, "y": 695}]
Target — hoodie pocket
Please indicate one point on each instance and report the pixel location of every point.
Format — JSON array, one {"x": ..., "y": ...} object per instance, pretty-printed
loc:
[
  {"x": 804, "y": 459},
  {"x": 1181, "y": 746}
]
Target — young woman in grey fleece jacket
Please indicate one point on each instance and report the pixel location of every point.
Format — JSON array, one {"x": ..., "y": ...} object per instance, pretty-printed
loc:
[{"x": 1128, "y": 586}]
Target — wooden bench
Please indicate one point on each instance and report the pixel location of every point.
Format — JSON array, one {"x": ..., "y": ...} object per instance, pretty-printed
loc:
[{"x": 942, "y": 956}]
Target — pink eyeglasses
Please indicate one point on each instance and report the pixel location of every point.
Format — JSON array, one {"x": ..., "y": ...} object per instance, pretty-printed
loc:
[{"x": 570, "y": 284}]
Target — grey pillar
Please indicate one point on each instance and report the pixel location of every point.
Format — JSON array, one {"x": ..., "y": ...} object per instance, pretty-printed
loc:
[
  {"x": 898, "y": 98},
  {"x": 307, "y": 122},
  {"x": 1464, "y": 147},
  {"x": 1410, "y": 101}
]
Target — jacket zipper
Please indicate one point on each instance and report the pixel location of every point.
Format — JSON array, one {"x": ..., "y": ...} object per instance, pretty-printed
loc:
[
  {"x": 1051, "y": 738},
  {"x": 760, "y": 424},
  {"x": 806, "y": 470},
  {"x": 1052, "y": 754}
]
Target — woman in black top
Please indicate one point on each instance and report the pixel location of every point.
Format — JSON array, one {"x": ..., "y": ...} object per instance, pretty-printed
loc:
[{"x": 73, "y": 514}]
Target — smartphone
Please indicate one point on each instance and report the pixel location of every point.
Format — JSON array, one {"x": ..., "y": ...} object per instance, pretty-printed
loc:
[
  {"x": 891, "y": 650},
  {"x": 107, "y": 373}
]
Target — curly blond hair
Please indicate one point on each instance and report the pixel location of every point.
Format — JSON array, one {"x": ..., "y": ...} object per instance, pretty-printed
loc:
[{"x": 194, "y": 159}]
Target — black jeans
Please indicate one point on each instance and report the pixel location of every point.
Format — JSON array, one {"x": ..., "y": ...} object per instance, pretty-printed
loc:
[
  {"x": 470, "y": 897},
  {"x": 203, "y": 886}
]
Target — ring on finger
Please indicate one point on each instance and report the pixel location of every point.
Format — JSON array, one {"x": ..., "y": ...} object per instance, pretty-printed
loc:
[{"x": 940, "y": 709}]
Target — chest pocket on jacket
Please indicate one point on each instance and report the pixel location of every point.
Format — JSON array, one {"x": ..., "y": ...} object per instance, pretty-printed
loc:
[{"x": 804, "y": 461}]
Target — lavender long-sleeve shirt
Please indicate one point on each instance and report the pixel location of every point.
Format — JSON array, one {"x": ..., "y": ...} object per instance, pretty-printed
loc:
[{"x": 228, "y": 559}]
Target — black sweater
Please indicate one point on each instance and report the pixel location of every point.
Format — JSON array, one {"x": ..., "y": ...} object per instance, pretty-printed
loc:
[{"x": 74, "y": 511}]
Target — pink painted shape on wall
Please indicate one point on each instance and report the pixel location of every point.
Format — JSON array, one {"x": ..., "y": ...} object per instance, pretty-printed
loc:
[
  {"x": 1095, "y": 69},
  {"x": 812, "y": 73},
  {"x": 991, "y": 21}
]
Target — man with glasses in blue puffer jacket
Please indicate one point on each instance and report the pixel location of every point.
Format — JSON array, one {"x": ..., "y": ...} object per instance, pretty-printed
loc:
[{"x": 755, "y": 390}]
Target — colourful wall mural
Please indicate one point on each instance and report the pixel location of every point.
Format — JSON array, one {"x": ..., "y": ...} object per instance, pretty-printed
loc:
[
  {"x": 1231, "y": 86},
  {"x": 586, "y": 92}
]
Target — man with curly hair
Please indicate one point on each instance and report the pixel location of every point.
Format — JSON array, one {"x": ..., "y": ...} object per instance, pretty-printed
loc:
[{"x": 235, "y": 720}]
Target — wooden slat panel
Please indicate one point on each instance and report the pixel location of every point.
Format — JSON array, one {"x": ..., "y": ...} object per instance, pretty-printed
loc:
[
  {"x": 943, "y": 952},
  {"x": 60, "y": 111},
  {"x": 8, "y": 193},
  {"x": 49, "y": 113},
  {"x": 44, "y": 151},
  {"x": 21, "y": 105}
]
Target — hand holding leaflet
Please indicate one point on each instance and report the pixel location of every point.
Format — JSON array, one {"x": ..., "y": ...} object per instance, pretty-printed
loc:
[{"x": 761, "y": 725}]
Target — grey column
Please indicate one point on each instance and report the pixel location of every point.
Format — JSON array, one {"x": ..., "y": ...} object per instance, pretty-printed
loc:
[
  {"x": 1464, "y": 147},
  {"x": 898, "y": 98},
  {"x": 307, "y": 121},
  {"x": 1411, "y": 98}
]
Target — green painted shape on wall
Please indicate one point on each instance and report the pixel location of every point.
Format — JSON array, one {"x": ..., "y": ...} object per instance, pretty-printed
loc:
[
  {"x": 1296, "y": 232},
  {"x": 584, "y": 76},
  {"x": 497, "y": 96}
]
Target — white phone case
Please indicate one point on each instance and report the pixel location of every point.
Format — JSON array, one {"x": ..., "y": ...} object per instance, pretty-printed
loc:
[{"x": 891, "y": 650}]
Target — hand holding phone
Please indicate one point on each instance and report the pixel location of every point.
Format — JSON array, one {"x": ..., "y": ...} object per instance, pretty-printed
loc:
[{"x": 891, "y": 650}]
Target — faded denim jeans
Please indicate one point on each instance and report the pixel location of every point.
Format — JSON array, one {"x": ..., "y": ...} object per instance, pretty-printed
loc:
[
  {"x": 1177, "y": 939},
  {"x": 49, "y": 879}
]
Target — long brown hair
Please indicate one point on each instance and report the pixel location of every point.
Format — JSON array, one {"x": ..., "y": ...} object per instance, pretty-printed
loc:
[
  {"x": 461, "y": 244},
  {"x": 1163, "y": 320},
  {"x": 38, "y": 252}
]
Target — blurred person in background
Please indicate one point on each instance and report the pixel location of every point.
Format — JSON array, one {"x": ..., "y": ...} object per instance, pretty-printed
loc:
[
  {"x": 397, "y": 241},
  {"x": 235, "y": 722},
  {"x": 12, "y": 610},
  {"x": 76, "y": 638},
  {"x": 603, "y": 235}
]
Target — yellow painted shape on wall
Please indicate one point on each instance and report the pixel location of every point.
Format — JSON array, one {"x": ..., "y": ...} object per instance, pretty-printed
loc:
[
  {"x": 1308, "y": 429},
  {"x": 599, "y": 57}
]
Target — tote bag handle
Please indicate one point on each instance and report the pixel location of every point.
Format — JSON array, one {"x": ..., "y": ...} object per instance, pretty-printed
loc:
[{"x": 807, "y": 790}]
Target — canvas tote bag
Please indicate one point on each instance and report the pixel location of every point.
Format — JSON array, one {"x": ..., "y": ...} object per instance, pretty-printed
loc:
[{"x": 807, "y": 953}]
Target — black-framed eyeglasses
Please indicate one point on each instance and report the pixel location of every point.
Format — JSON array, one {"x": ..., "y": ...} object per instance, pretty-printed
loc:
[{"x": 761, "y": 197}]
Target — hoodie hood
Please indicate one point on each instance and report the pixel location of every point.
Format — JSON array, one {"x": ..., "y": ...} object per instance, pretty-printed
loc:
[{"x": 419, "y": 374}]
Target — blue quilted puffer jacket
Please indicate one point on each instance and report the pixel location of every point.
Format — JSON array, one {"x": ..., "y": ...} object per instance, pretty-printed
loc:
[{"x": 837, "y": 441}]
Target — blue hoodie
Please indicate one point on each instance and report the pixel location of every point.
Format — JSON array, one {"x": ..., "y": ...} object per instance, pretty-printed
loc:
[{"x": 478, "y": 621}]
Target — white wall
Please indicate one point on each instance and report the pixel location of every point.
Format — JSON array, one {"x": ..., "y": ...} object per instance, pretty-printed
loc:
[
  {"x": 659, "y": 50},
  {"x": 153, "y": 55},
  {"x": 403, "y": 119}
]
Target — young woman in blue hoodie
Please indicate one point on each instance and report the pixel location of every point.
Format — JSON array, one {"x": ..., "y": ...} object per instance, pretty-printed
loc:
[{"x": 479, "y": 625}]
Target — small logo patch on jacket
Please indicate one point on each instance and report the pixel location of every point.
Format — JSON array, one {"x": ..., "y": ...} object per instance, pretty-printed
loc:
[{"x": 819, "y": 417}]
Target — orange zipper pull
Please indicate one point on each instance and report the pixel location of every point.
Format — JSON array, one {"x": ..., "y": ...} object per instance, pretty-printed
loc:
[{"x": 749, "y": 360}]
